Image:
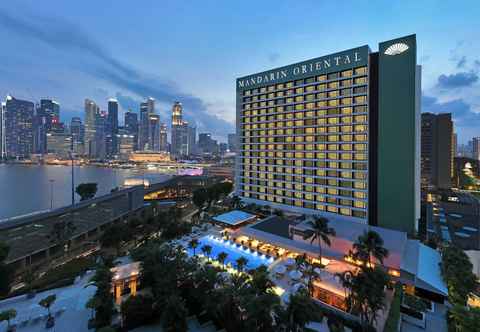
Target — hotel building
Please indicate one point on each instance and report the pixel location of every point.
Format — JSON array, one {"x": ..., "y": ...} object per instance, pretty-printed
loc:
[{"x": 336, "y": 136}]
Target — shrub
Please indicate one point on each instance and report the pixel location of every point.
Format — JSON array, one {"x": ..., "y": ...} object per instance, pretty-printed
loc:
[
  {"x": 137, "y": 310},
  {"x": 394, "y": 313}
]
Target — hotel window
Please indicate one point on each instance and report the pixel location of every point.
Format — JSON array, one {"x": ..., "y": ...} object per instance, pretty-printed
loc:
[
  {"x": 360, "y": 89},
  {"x": 347, "y": 73},
  {"x": 310, "y": 88},
  {"x": 361, "y": 71},
  {"x": 289, "y": 84},
  {"x": 280, "y": 86},
  {"x": 298, "y": 90},
  {"x": 298, "y": 82},
  {"x": 360, "y": 99},
  {"x": 321, "y": 78},
  {"x": 360, "y": 80},
  {"x": 333, "y": 94},
  {"x": 359, "y": 185},
  {"x": 333, "y": 85},
  {"x": 332, "y": 209},
  {"x": 346, "y": 83},
  {"x": 333, "y": 102},
  {"x": 346, "y": 101}
]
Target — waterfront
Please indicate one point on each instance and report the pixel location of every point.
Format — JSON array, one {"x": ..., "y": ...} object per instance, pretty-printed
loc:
[{"x": 27, "y": 188}]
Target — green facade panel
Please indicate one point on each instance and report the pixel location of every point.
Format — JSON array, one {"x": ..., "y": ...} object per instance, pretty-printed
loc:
[{"x": 397, "y": 135}]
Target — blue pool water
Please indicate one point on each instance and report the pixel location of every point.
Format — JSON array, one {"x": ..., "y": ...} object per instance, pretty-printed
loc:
[{"x": 234, "y": 251}]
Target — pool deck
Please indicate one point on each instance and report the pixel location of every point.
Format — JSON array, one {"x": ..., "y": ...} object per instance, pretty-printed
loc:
[{"x": 69, "y": 308}]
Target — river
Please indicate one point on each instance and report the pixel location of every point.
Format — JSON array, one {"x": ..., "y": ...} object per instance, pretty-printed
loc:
[{"x": 30, "y": 188}]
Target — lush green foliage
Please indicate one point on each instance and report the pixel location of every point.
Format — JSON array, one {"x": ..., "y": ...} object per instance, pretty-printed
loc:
[
  {"x": 86, "y": 190},
  {"x": 137, "y": 310},
  {"x": 103, "y": 297},
  {"x": 461, "y": 318},
  {"x": 183, "y": 286},
  {"x": 456, "y": 270},
  {"x": 8, "y": 315},
  {"x": 391, "y": 324},
  {"x": 47, "y": 302}
]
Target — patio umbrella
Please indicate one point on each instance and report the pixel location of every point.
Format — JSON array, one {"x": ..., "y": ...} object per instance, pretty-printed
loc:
[
  {"x": 297, "y": 287},
  {"x": 281, "y": 269},
  {"x": 295, "y": 274},
  {"x": 290, "y": 261},
  {"x": 317, "y": 270}
]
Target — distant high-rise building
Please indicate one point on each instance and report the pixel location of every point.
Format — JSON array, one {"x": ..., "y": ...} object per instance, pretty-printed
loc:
[
  {"x": 111, "y": 128},
  {"x": 163, "y": 137},
  {"x": 78, "y": 132},
  {"x": 91, "y": 113},
  {"x": 131, "y": 126},
  {"x": 2, "y": 131},
  {"x": 59, "y": 144},
  {"x": 153, "y": 143},
  {"x": 223, "y": 147},
  {"x": 126, "y": 143},
  {"x": 183, "y": 136},
  {"x": 475, "y": 147},
  {"x": 437, "y": 150},
  {"x": 206, "y": 144},
  {"x": 100, "y": 134},
  {"x": 232, "y": 142},
  {"x": 146, "y": 108},
  {"x": 19, "y": 118}
]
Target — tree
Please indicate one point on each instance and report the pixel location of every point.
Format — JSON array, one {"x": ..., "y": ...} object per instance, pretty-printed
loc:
[
  {"x": 62, "y": 232},
  {"x": 236, "y": 202},
  {"x": 259, "y": 312},
  {"x": 300, "y": 311},
  {"x": 193, "y": 244},
  {"x": 321, "y": 233},
  {"x": 8, "y": 315},
  {"x": 113, "y": 237},
  {"x": 199, "y": 197},
  {"x": 137, "y": 310},
  {"x": 456, "y": 270},
  {"x": 175, "y": 315},
  {"x": 241, "y": 263},
  {"x": 463, "y": 318},
  {"x": 103, "y": 296},
  {"x": 86, "y": 190},
  {"x": 221, "y": 257},
  {"x": 207, "y": 250},
  {"x": 260, "y": 281},
  {"x": 47, "y": 303},
  {"x": 367, "y": 293},
  {"x": 369, "y": 245}
]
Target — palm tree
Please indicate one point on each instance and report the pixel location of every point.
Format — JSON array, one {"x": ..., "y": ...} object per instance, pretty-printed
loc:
[
  {"x": 369, "y": 245},
  {"x": 346, "y": 280},
  {"x": 321, "y": 233},
  {"x": 221, "y": 257},
  {"x": 175, "y": 315},
  {"x": 8, "y": 315},
  {"x": 299, "y": 312},
  {"x": 193, "y": 244},
  {"x": 47, "y": 303},
  {"x": 241, "y": 263},
  {"x": 260, "y": 280},
  {"x": 207, "y": 250}
]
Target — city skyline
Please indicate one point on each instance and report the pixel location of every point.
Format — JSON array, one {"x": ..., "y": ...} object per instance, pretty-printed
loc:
[{"x": 93, "y": 62}]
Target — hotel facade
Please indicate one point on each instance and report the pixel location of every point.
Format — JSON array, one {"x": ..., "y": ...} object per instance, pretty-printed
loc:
[{"x": 337, "y": 136}]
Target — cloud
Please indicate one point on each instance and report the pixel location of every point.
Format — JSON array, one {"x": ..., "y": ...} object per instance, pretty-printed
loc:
[
  {"x": 462, "y": 62},
  {"x": 458, "y": 80},
  {"x": 65, "y": 36}
]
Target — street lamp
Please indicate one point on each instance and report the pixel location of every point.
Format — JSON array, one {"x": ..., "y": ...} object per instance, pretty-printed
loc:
[{"x": 51, "y": 193}]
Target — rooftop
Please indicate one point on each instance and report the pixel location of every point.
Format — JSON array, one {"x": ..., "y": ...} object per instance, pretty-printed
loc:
[{"x": 234, "y": 218}]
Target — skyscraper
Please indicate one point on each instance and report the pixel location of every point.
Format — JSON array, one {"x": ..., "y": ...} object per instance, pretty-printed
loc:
[
  {"x": 47, "y": 119},
  {"x": 2, "y": 131},
  {"x": 232, "y": 142},
  {"x": 19, "y": 116},
  {"x": 131, "y": 126},
  {"x": 153, "y": 143},
  {"x": 163, "y": 137},
  {"x": 437, "y": 150},
  {"x": 183, "y": 136},
  {"x": 336, "y": 136},
  {"x": 146, "y": 108},
  {"x": 111, "y": 128},
  {"x": 91, "y": 113},
  {"x": 476, "y": 148},
  {"x": 77, "y": 131}
]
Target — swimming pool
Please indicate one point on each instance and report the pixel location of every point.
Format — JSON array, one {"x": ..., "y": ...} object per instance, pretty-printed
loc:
[{"x": 233, "y": 250}]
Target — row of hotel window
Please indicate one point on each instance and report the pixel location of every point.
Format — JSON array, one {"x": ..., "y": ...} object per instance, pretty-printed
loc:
[
  {"x": 284, "y": 174},
  {"x": 332, "y": 90},
  {"x": 255, "y": 130},
  {"x": 263, "y": 186},
  {"x": 260, "y": 136},
  {"x": 269, "y": 112},
  {"x": 300, "y": 121},
  {"x": 310, "y": 147},
  {"x": 307, "y": 204},
  {"x": 310, "y": 102},
  {"x": 320, "y": 78},
  {"x": 307, "y": 184},
  {"x": 261, "y": 164},
  {"x": 317, "y": 155}
]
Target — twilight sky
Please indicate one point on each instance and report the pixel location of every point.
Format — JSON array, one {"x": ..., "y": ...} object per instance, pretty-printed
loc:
[{"x": 192, "y": 51}]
